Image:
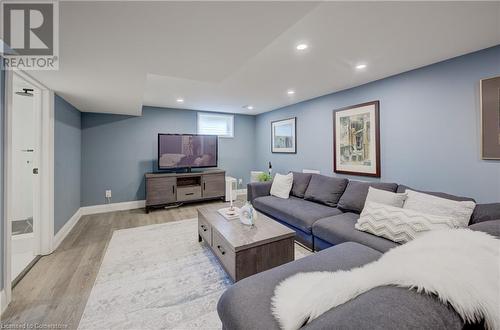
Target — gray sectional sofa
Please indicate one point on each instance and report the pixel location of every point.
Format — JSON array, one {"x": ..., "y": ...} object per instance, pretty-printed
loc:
[{"x": 323, "y": 211}]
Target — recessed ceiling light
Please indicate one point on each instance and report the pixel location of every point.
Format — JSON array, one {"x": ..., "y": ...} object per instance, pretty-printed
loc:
[
  {"x": 250, "y": 107},
  {"x": 290, "y": 92},
  {"x": 302, "y": 46},
  {"x": 361, "y": 66},
  {"x": 179, "y": 100}
]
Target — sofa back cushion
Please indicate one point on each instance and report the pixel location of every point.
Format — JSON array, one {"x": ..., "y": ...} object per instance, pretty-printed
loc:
[
  {"x": 325, "y": 189},
  {"x": 402, "y": 188},
  {"x": 491, "y": 227},
  {"x": 486, "y": 212},
  {"x": 300, "y": 184},
  {"x": 354, "y": 197}
]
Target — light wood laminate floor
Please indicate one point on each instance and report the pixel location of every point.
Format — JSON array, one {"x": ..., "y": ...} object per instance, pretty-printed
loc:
[{"x": 56, "y": 289}]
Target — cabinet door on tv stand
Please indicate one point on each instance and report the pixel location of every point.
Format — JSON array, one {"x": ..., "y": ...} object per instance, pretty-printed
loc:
[
  {"x": 213, "y": 185},
  {"x": 160, "y": 191}
]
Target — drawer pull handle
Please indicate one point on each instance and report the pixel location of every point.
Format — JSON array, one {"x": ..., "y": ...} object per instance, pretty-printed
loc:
[
  {"x": 221, "y": 250},
  {"x": 187, "y": 194},
  {"x": 203, "y": 227}
]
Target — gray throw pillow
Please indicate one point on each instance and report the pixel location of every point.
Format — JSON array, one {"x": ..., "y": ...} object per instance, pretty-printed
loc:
[
  {"x": 300, "y": 183},
  {"x": 325, "y": 189},
  {"x": 355, "y": 194}
]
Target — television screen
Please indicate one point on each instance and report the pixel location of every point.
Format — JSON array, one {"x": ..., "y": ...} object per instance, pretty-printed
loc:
[{"x": 186, "y": 151}]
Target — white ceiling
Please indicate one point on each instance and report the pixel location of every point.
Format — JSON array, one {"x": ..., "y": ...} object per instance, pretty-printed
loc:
[{"x": 220, "y": 56}]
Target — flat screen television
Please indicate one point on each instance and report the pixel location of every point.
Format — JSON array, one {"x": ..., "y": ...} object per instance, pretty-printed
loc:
[{"x": 186, "y": 151}]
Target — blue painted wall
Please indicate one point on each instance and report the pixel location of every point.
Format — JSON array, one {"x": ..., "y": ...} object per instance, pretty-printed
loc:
[
  {"x": 118, "y": 150},
  {"x": 2, "y": 117},
  {"x": 67, "y": 163},
  {"x": 429, "y": 125}
]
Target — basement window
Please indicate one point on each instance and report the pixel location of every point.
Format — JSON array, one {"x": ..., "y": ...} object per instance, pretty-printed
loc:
[{"x": 216, "y": 124}]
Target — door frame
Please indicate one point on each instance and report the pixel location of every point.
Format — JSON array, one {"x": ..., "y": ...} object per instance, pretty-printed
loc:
[{"x": 45, "y": 233}]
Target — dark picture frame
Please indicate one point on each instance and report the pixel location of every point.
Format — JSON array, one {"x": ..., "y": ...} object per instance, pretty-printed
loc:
[
  {"x": 490, "y": 118},
  {"x": 356, "y": 139},
  {"x": 284, "y": 144}
]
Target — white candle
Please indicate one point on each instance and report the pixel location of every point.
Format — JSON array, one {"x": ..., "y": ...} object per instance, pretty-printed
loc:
[{"x": 231, "y": 193}]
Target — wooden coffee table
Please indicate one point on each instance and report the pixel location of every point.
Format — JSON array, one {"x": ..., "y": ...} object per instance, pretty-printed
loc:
[{"x": 244, "y": 250}]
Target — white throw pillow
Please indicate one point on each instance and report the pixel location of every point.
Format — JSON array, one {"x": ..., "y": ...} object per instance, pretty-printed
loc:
[
  {"x": 282, "y": 184},
  {"x": 398, "y": 224},
  {"x": 385, "y": 197},
  {"x": 426, "y": 203}
]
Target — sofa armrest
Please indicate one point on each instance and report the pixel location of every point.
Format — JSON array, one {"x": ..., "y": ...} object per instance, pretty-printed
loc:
[
  {"x": 258, "y": 189},
  {"x": 485, "y": 212}
]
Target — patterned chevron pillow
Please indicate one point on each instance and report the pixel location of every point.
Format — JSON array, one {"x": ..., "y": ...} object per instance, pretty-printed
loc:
[{"x": 398, "y": 224}]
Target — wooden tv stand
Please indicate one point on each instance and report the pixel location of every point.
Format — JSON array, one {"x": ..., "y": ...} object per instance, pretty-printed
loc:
[{"x": 164, "y": 189}]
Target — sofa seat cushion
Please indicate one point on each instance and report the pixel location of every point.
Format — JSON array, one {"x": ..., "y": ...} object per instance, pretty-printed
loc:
[
  {"x": 247, "y": 304},
  {"x": 340, "y": 228},
  {"x": 295, "y": 211},
  {"x": 390, "y": 307}
]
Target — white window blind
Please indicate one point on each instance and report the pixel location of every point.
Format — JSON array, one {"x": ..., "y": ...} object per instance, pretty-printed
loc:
[{"x": 216, "y": 124}]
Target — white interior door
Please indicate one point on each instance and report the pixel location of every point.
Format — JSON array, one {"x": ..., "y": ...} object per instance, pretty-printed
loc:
[
  {"x": 43, "y": 186},
  {"x": 23, "y": 154},
  {"x": 25, "y": 142}
]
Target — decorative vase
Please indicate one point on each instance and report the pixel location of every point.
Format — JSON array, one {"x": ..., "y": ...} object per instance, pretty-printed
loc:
[{"x": 248, "y": 214}]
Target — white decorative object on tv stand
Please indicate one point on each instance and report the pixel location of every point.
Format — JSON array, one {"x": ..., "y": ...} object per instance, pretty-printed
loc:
[{"x": 231, "y": 187}]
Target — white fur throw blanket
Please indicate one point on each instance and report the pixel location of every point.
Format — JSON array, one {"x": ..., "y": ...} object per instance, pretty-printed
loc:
[{"x": 460, "y": 266}]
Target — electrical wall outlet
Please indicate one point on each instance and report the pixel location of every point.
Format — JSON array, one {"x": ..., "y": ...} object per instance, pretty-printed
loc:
[{"x": 108, "y": 193}]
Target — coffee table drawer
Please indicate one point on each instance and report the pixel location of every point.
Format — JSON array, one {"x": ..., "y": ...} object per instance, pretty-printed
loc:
[
  {"x": 205, "y": 230},
  {"x": 224, "y": 253}
]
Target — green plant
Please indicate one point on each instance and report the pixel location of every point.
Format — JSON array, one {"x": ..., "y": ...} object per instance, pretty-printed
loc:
[{"x": 263, "y": 177}]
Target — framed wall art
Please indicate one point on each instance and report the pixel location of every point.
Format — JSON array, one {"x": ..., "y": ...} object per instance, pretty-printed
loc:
[
  {"x": 284, "y": 136},
  {"x": 356, "y": 140},
  {"x": 490, "y": 118}
]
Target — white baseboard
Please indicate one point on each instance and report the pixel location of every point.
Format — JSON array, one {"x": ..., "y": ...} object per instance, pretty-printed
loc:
[
  {"x": 94, "y": 209},
  {"x": 64, "y": 231},
  {"x": 103, "y": 208},
  {"x": 3, "y": 301}
]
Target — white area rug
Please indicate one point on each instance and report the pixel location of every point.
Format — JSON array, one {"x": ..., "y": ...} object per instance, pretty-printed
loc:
[{"x": 158, "y": 277}]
